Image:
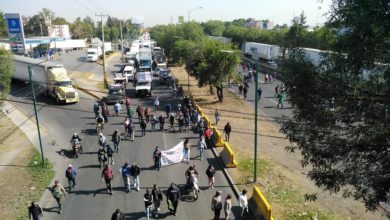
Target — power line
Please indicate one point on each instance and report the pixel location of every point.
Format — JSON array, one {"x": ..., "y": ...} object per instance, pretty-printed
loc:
[
  {"x": 84, "y": 6},
  {"x": 97, "y": 5}
]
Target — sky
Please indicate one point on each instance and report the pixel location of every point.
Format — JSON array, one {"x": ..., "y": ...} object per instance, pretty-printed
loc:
[{"x": 167, "y": 11}]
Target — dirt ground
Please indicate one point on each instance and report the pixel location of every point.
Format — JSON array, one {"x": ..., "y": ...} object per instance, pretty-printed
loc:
[{"x": 282, "y": 178}]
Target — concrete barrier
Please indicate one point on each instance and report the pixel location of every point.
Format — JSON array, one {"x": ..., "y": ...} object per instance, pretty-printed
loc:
[
  {"x": 216, "y": 138},
  {"x": 227, "y": 157},
  {"x": 263, "y": 209}
]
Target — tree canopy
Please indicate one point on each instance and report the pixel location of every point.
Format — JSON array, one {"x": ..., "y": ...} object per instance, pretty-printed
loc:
[
  {"x": 341, "y": 123},
  {"x": 6, "y": 71}
]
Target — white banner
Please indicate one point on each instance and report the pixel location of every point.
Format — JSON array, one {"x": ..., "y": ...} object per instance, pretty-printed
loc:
[{"x": 173, "y": 155}]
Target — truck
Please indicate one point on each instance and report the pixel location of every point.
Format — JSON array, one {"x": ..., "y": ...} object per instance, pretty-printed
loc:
[
  {"x": 259, "y": 51},
  {"x": 50, "y": 75},
  {"x": 313, "y": 55},
  {"x": 145, "y": 57},
  {"x": 143, "y": 83},
  {"x": 67, "y": 45},
  {"x": 93, "y": 54}
]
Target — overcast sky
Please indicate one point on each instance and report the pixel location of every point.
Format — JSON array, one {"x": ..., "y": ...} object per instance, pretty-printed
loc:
[{"x": 166, "y": 11}]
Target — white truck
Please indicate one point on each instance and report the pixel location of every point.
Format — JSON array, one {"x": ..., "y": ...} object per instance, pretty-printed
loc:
[
  {"x": 93, "y": 54},
  {"x": 143, "y": 84},
  {"x": 313, "y": 55},
  {"x": 259, "y": 51},
  {"x": 52, "y": 76},
  {"x": 145, "y": 57},
  {"x": 71, "y": 44}
]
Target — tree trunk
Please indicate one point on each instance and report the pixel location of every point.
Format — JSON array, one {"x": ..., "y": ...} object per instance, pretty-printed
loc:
[
  {"x": 220, "y": 93},
  {"x": 211, "y": 90}
]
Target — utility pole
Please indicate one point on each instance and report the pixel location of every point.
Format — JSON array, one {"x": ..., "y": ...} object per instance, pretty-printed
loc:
[
  {"x": 36, "y": 114},
  {"x": 104, "y": 52},
  {"x": 120, "y": 24}
]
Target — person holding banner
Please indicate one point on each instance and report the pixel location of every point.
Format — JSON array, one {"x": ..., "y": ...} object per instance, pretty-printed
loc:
[{"x": 187, "y": 151}]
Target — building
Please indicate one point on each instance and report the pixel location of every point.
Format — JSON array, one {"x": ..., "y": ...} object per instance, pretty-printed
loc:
[
  {"x": 59, "y": 31},
  {"x": 265, "y": 24}
]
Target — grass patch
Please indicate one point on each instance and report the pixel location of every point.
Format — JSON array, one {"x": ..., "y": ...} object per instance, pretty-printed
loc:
[
  {"x": 246, "y": 168},
  {"x": 38, "y": 179}
]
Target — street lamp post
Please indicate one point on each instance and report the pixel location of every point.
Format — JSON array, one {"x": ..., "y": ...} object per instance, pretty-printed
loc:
[{"x": 257, "y": 68}]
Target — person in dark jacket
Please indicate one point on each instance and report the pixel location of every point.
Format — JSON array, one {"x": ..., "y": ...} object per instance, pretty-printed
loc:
[
  {"x": 134, "y": 172},
  {"x": 35, "y": 212},
  {"x": 157, "y": 198},
  {"x": 143, "y": 127},
  {"x": 116, "y": 139},
  {"x": 173, "y": 197},
  {"x": 148, "y": 200},
  {"x": 227, "y": 129},
  {"x": 157, "y": 158},
  {"x": 118, "y": 215}
]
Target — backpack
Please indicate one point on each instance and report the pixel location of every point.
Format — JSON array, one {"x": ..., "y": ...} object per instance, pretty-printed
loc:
[{"x": 69, "y": 173}]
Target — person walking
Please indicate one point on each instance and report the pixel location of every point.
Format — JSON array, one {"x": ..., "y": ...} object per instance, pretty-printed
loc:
[
  {"x": 102, "y": 156},
  {"x": 157, "y": 158},
  {"x": 168, "y": 109},
  {"x": 156, "y": 104},
  {"x": 207, "y": 135},
  {"x": 228, "y": 206},
  {"x": 102, "y": 140},
  {"x": 148, "y": 200},
  {"x": 147, "y": 114},
  {"x": 139, "y": 111},
  {"x": 157, "y": 198},
  {"x": 110, "y": 154},
  {"x": 217, "y": 116},
  {"x": 216, "y": 205},
  {"x": 281, "y": 97},
  {"x": 210, "y": 172},
  {"x": 130, "y": 112},
  {"x": 105, "y": 112},
  {"x": 130, "y": 130},
  {"x": 243, "y": 201},
  {"x": 117, "y": 108},
  {"x": 116, "y": 139},
  {"x": 245, "y": 91},
  {"x": 127, "y": 103},
  {"x": 172, "y": 121},
  {"x": 201, "y": 147},
  {"x": 118, "y": 215},
  {"x": 35, "y": 212},
  {"x": 143, "y": 127},
  {"x": 108, "y": 176},
  {"x": 173, "y": 196},
  {"x": 58, "y": 192},
  {"x": 134, "y": 172},
  {"x": 125, "y": 171},
  {"x": 187, "y": 151},
  {"x": 276, "y": 90},
  {"x": 70, "y": 174},
  {"x": 153, "y": 122},
  {"x": 240, "y": 87},
  {"x": 161, "y": 120},
  {"x": 259, "y": 92},
  {"x": 227, "y": 129}
]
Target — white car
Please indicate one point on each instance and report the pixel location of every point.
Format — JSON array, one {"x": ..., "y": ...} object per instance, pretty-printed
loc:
[{"x": 128, "y": 72}]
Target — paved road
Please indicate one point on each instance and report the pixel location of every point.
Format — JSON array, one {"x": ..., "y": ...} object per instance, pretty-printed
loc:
[{"x": 90, "y": 200}]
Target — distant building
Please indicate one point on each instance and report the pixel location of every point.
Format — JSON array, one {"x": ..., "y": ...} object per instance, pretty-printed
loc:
[
  {"x": 59, "y": 31},
  {"x": 265, "y": 25}
]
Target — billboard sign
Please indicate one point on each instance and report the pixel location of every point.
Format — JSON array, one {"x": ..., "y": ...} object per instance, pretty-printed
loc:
[{"x": 15, "y": 32}]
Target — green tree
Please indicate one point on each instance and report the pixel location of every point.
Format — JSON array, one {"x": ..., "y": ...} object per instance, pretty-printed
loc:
[
  {"x": 34, "y": 25},
  {"x": 114, "y": 34},
  {"x": 214, "y": 27},
  {"x": 6, "y": 71},
  {"x": 341, "y": 123},
  {"x": 60, "y": 21},
  {"x": 3, "y": 26}
]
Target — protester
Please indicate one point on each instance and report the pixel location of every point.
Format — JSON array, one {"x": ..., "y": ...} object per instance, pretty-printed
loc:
[
  {"x": 134, "y": 172},
  {"x": 156, "y": 104},
  {"x": 157, "y": 158},
  {"x": 35, "y": 212},
  {"x": 105, "y": 112},
  {"x": 281, "y": 97},
  {"x": 217, "y": 116},
  {"x": 148, "y": 200},
  {"x": 130, "y": 112},
  {"x": 161, "y": 120},
  {"x": 139, "y": 111},
  {"x": 228, "y": 206},
  {"x": 168, "y": 109},
  {"x": 102, "y": 140},
  {"x": 102, "y": 156},
  {"x": 276, "y": 90},
  {"x": 125, "y": 171},
  {"x": 116, "y": 139},
  {"x": 108, "y": 176},
  {"x": 210, "y": 172},
  {"x": 201, "y": 147},
  {"x": 259, "y": 92},
  {"x": 58, "y": 192},
  {"x": 147, "y": 114},
  {"x": 207, "y": 135},
  {"x": 173, "y": 197},
  {"x": 143, "y": 127},
  {"x": 127, "y": 103},
  {"x": 110, "y": 154},
  {"x": 243, "y": 201},
  {"x": 227, "y": 129},
  {"x": 118, "y": 215},
  {"x": 187, "y": 150},
  {"x": 130, "y": 130},
  {"x": 216, "y": 205},
  {"x": 172, "y": 121},
  {"x": 70, "y": 174},
  {"x": 157, "y": 198},
  {"x": 245, "y": 91},
  {"x": 117, "y": 108}
]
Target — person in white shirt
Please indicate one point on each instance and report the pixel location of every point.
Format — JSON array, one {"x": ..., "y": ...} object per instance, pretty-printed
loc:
[
  {"x": 156, "y": 104},
  {"x": 243, "y": 200}
]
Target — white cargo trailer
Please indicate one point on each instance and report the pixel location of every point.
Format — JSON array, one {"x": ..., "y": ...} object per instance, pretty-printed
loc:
[{"x": 259, "y": 51}]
